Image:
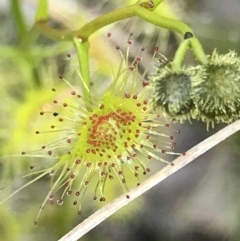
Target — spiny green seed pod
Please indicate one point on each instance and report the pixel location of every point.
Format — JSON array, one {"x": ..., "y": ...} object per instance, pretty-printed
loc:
[
  {"x": 172, "y": 90},
  {"x": 216, "y": 94}
]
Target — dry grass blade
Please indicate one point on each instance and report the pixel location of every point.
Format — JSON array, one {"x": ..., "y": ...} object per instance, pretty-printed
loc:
[{"x": 105, "y": 212}]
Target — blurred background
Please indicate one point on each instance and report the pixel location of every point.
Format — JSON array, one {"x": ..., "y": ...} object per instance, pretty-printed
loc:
[{"x": 198, "y": 203}]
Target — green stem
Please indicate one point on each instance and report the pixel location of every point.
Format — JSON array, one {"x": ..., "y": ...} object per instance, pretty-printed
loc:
[
  {"x": 141, "y": 9},
  {"x": 52, "y": 33},
  {"x": 130, "y": 11},
  {"x": 86, "y": 31},
  {"x": 180, "y": 54},
  {"x": 26, "y": 42},
  {"x": 196, "y": 47},
  {"x": 83, "y": 58},
  {"x": 32, "y": 68},
  {"x": 29, "y": 40},
  {"x": 198, "y": 50},
  {"x": 157, "y": 2},
  {"x": 19, "y": 19},
  {"x": 42, "y": 11},
  {"x": 162, "y": 22}
]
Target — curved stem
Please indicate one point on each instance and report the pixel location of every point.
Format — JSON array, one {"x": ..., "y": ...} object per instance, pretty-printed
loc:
[
  {"x": 163, "y": 22},
  {"x": 198, "y": 50},
  {"x": 141, "y": 9},
  {"x": 86, "y": 31},
  {"x": 109, "y": 209},
  {"x": 130, "y": 11},
  {"x": 180, "y": 54}
]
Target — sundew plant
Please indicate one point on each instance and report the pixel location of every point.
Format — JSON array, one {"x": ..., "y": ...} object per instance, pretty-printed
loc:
[{"x": 91, "y": 137}]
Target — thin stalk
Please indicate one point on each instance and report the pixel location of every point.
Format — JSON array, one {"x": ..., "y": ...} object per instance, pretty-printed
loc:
[
  {"x": 130, "y": 11},
  {"x": 87, "y": 30},
  {"x": 198, "y": 50},
  {"x": 83, "y": 58},
  {"x": 180, "y": 54},
  {"x": 102, "y": 214},
  {"x": 162, "y": 22},
  {"x": 142, "y": 9},
  {"x": 56, "y": 34},
  {"x": 19, "y": 18},
  {"x": 42, "y": 11}
]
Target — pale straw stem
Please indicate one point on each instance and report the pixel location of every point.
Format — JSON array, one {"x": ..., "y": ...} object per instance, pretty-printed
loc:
[{"x": 109, "y": 209}]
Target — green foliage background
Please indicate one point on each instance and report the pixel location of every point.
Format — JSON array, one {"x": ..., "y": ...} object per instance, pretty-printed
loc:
[{"x": 200, "y": 201}]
